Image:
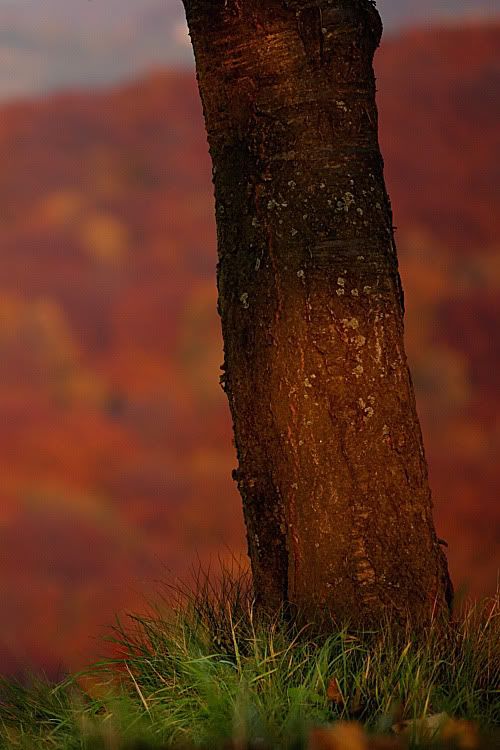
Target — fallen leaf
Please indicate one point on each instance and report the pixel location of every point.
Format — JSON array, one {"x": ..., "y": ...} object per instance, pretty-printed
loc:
[
  {"x": 355, "y": 706},
  {"x": 463, "y": 733},
  {"x": 333, "y": 692},
  {"x": 427, "y": 728},
  {"x": 386, "y": 743},
  {"x": 344, "y": 735}
]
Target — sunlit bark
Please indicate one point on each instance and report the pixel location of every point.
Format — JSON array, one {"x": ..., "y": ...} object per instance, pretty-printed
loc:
[{"x": 331, "y": 463}]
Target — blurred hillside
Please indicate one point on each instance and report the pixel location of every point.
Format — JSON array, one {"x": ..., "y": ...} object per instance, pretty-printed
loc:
[{"x": 115, "y": 440}]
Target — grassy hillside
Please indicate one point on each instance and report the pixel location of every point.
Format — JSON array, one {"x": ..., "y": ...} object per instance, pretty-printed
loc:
[{"x": 213, "y": 673}]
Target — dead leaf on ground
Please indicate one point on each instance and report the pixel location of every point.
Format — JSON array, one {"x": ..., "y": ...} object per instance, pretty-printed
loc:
[
  {"x": 344, "y": 735},
  {"x": 463, "y": 733},
  {"x": 356, "y": 706},
  {"x": 427, "y": 728},
  {"x": 333, "y": 692},
  {"x": 386, "y": 743}
]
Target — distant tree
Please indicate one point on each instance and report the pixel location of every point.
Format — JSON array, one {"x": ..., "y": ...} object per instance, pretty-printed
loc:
[{"x": 331, "y": 470}]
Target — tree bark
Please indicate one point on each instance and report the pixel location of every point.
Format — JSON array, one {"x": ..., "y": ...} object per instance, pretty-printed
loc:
[{"x": 332, "y": 470}]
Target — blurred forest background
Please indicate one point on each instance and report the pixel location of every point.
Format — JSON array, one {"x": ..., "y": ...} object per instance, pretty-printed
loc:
[{"x": 115, "y": 440}]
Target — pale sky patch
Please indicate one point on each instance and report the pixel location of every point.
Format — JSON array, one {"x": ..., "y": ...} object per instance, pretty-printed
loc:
[{"x": 180, "y": 34}]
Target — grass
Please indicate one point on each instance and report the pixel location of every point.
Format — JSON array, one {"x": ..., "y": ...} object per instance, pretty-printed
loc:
[{"x": 207, "y": 673}]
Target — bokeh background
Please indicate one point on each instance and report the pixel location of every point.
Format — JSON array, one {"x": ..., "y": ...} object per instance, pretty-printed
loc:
[{"x": 115, "y": 438}]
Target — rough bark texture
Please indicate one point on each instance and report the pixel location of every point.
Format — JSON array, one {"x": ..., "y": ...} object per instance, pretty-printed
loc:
[{"x": 332, "y": 469}]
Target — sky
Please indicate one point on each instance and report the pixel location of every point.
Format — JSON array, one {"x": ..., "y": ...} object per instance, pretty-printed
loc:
[{"x": 51, "y": 44}]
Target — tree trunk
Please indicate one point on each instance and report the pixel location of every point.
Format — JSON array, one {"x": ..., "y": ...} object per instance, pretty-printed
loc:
[{"x": 331, "y": 462}]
